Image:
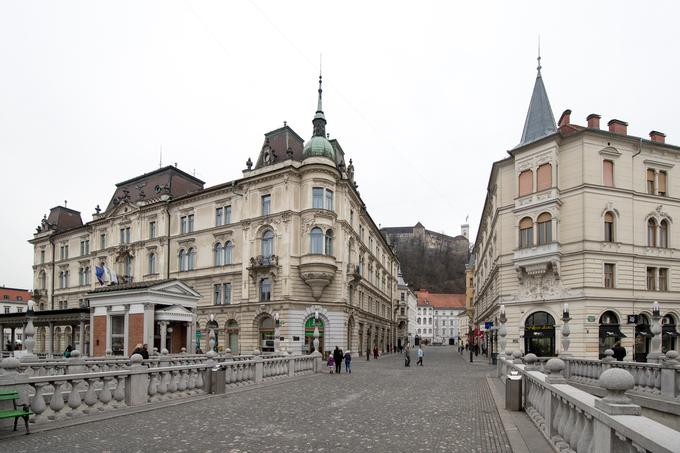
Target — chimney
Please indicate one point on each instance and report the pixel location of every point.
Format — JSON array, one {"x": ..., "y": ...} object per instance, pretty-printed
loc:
[
  {"x": 657, "y": 136},
  {"x": 564, "y": 119},
  {"x": 593, "y": 121},
  {"x": 618, "y": 127}
]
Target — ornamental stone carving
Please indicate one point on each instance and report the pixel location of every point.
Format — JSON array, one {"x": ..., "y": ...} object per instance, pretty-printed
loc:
[{"x": 317, "y": 271}]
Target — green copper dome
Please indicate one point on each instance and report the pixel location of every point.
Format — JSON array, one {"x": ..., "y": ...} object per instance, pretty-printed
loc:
[{"x": 318, "y": 146}]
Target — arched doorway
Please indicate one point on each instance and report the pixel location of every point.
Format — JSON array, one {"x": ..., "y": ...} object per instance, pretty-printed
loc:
[
  {"x": 539, "y": 334},
  {"x": 610, "y": 331},
  {"x": 266, "y": 334},
  {"x": 642, "y": 337},
  {"x": 309, "y": 334},
  {"x": 669, "y": 334},
  {"x": 232, "y": 336}
]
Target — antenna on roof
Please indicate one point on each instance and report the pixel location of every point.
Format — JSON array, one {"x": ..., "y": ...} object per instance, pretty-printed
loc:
[
  {"x": 539, "y": 54},
  {"x": 65, "y": 203},
  {"x": 160, "y": 160}
]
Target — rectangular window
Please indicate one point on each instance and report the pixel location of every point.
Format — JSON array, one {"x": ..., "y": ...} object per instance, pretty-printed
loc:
[
  {"x": 609, "y": 275},
  {"x": 663, "y": 279},
  {"x": 183, "y": 225},
  {"x": 317, "y": 197},
  {"x": 85, "y": 247},
  {"x": 226, "y": 291},
  {"x": 218, "y": 216},
  {"x": 6, "y": 310},
  {"x": 227, "y": 215},
  {"x": 125, "y": 235},
  {"x": 651, "y": 185},
  {"x": 526, "y": 182},
  {"x": 152, "y": 230},
  {"x": 42, "y": 257},
  {"x": 608, "y": 173},
  {"x": 102, "y": 241},
  {"x": 351, "y": 217},
  {"x": 544, "y": 177},
  {"x": 152, "y": 263},
  {"x": 329, "y": 200},
  {"x": 118, "y": 334},
  {"x": 217, "y": 299},
  {"x": 190, "y": 219},
  {"x": 266, "y": 204},
  {"x": 663, "y": 176},
  {"x": 651, "y": 279}
]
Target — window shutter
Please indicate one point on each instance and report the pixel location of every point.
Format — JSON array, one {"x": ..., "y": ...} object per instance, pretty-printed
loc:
[
  {"x": 544, "y": 177},
  {"x": 526, "y": 182},
  {"x": 662, "y": 182},
  {"x": 608, "y": 173}
]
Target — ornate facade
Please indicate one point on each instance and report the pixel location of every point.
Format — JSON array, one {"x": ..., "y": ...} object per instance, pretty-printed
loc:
[
  {"x": 287, "y": 247},
  {"x": 582, "y": 216}
]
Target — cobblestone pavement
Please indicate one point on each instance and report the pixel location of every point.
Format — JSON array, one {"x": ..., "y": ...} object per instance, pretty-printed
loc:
[{"x": 444, "y": 406}]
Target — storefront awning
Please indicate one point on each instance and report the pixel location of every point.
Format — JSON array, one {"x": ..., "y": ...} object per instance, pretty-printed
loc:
[
  {"x": 611, "y": 331},
  {"x": 642, "y": 330},
  {"x": 669, "y": 331}
]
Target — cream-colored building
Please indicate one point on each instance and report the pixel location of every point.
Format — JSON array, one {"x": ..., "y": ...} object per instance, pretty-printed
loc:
[
  {"x": 406, "y": 313},
  {"x": 585, "y": 216},
  {"x": 287, "y": 247}
]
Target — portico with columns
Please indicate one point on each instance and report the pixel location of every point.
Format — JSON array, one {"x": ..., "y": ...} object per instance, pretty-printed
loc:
[{"x": 161, "y": 314}]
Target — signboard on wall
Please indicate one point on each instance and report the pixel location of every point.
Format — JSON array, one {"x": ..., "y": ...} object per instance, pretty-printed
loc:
[
  {"x": 632, "y": 319},
  {"x": 590, "y": 318}
]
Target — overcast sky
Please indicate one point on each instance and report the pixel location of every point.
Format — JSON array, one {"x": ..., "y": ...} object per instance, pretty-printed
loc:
[{"x": 423, "y": 96}]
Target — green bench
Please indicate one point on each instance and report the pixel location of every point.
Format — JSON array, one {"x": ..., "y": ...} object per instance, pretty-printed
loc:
[{"x": 16, "y": 413}]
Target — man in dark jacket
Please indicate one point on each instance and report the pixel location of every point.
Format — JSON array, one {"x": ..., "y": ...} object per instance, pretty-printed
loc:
[
  {"x": 145, "y": 352},
  {"x": 337, "y": 357},
  {"x": 619, "y": 351}
]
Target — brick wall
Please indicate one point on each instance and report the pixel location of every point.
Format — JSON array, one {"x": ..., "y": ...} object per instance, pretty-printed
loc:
[
  {"x": 99, "y": 336},
  {"x": 135, "y": 330}
]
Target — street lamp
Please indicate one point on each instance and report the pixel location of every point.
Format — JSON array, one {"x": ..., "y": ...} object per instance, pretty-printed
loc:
[{"x": 276, "y": 332}]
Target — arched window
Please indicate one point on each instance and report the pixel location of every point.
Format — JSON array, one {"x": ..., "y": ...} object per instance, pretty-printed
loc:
[
  {"x": 539, "y": 334},
  {"x": 526, "y": 182},
  {"x": 651, "y": 233},
  {"x": 663, "y": 234},
  {"x": 267, "y": 243},
  {"x": 526, "y": 233},
  {"x": 329, "y": 243},
  {"x": 191, "y": 259},
  {"x": 218, "y": 254},
  {"x": 228, "y": 252},
  {"x": 610, "y": 331},
  {"x": 419, "y": 321},
  {"x": 669, "y": 333},
  {"x": 609, "y": 227},
  {"x": 544, "y": 177},
  {"x": 265, "y": 290},
  {"x": 182, "y": 260},
  {"x": 544, "y": 225},
  {"x": 151, "y": 265},
  {"x": 42, "y": 280},
  {"x": 316, "y": 237},
  {"x": 267, "y": 334}
]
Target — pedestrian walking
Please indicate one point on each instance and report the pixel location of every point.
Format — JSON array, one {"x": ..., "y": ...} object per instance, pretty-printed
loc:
[
  {"x": 348, "y": 362},
  {"x": 375, "y": 352},
  {"x": 619, "y": 351},
  {"x": 421, "y": 353},
  {"x": 331, "y": 363},
  {"x": 337, "y": 357},
  {"x": 407, "y": 356}
]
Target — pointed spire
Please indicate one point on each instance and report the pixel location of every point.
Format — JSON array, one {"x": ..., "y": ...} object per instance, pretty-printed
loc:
[
  {"x": 540, "y": 120},
  {"x": 319, "y": 120}
]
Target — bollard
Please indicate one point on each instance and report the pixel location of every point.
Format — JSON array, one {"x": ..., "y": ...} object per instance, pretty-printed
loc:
[
  {"x": 136, "y": 385},
  {"x": 616, "y": 381}
]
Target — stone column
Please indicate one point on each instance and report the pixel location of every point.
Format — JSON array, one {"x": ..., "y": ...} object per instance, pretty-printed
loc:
[
  {"x": 50, "y": 338},
  {"x": 2, "y": 338},
  {"x": 12, "y": 337},
  {"x": 163, "y": 325},
  {"x": 81, "y": 343},
  {"x": 190, "y": 334}
]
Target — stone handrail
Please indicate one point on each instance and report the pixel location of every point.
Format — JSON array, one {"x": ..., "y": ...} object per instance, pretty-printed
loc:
[
  {"x": 57, "y": 397},
  {"x": 574, "y": 420}
]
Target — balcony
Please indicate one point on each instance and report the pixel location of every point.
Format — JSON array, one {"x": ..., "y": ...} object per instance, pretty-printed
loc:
[
  {"x": 317, "y": 271},
  {"x": 353, "y": 273},
  {"x": 538, "y": 259},
  {"x": 262, "y": 266}
]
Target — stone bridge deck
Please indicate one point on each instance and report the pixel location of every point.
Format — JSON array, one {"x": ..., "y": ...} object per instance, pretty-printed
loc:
[{"x": 445, "y": 406}]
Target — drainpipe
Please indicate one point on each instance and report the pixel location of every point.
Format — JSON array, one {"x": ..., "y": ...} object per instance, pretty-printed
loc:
[{"x": 167, "y": 232}]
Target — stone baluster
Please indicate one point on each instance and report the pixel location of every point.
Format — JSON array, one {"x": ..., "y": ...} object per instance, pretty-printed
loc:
[
  {"x": 56, "y": 402},
  {"x": 153, "y": 387},
  {"x": 183, "y": 378},
  {"x": 174, "y": 383},
  {"x": 258, "y": 369},
  {"x": 165, "y": 383},
  {"x": 105, "y": 396},
  {"x": 119, "y": 392},
  {"x": 91, "y": 396}
]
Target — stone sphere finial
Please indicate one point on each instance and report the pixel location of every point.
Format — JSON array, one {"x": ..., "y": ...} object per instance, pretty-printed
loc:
[
  {"x": 75, "y": 354},
  {"x": 164, "y": 351},
  {"x": 530, "y": 358},
  {"x": 183, "y": 350},
  {"x": 136, "y": 359},
  {"x": 10, "y": 363},
  {"x": 256, "y": 351},
  {"x": 555, "y": 366},
  {"x": 108, "y": 352},
  {"x": 672, "y": 355},
  {"x": 227, "y": 351},
  {"x": 616, "y": 381},
  {"x": 608, "y": 356},
  {"x": 517, "y": 355},
  {"x": 211, "y": 354}
]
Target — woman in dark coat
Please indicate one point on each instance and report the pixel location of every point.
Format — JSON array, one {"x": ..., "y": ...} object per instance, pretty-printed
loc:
[{"x": 337, "y": 356}]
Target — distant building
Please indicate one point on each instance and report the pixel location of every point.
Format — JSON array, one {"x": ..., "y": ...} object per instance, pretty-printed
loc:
[
  {"x": 437, "y": 317},
  {"x": 12, "y": 300},
  {"x": 406, "y": 313},
  {"x": 431, "y": 239}
]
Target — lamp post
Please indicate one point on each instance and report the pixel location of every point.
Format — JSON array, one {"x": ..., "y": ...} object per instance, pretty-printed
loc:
[
  {"x": 276, "y": 332},
  {"x": 655, "y": 329},
  {"x": 565, "y": 330},
  {"x": 316, "y": 331},
  {"x": 502, "y": 332},
  {"x": 471, "y": 337}
]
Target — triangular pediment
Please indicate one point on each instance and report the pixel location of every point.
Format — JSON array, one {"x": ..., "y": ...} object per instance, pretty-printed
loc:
[
  {"x": 175, "y": 310},
  {"x": 122, "y": 209},
  {"x": 176, "y": 287}
]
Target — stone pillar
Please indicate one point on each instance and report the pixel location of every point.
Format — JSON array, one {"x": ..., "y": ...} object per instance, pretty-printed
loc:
[
  {"x": 12, "y": 337},
  {"x": 164, "y": 326},
  {"x": 669, "y": 368},
  {"x": 2, "y": 338},
  {"x": 81, "y": 343},
  {"x": 136, "y": 385},
  {"x": 50, "y": 338},
  {"x": 258, "y": 369},
  {"x": 189, "y": 335}
]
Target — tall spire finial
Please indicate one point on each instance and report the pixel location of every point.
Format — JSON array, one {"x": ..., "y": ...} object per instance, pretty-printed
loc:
[{"x": 539, "y": 55}]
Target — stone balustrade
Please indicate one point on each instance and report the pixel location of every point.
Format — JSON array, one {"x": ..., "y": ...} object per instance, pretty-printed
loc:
[
  {"x": 574, "y": 420},
  {"x": 100, "y": 386}
]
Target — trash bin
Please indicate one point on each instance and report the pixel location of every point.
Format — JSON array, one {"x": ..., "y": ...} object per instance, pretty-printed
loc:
[
  {"x": 217, "y": 380},
  {"x": 513, "y": 391},
  {"x": 494, "y": 358}
]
